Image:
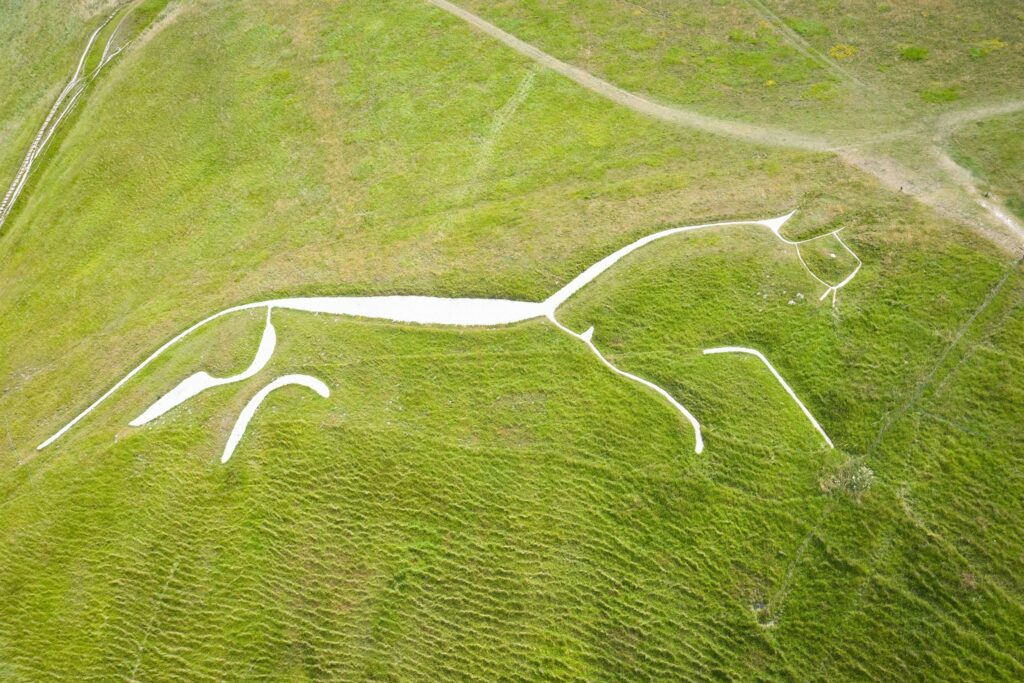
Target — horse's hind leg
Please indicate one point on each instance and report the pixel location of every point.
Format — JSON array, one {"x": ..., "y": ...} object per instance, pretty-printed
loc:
[{"x": 238, "y": 431}]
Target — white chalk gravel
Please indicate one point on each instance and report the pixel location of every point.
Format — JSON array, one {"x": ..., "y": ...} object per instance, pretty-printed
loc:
[{"x": 238, "y": 431}]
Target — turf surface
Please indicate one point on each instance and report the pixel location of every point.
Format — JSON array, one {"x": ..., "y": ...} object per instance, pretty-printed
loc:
[{"x": 493, "y": 503}]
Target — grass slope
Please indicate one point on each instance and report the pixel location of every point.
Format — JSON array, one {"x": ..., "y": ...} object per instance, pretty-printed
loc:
[
  {"x": 841, "y": 68},
  {"x": 492, "y": 503},
  {"x": 928, "y": 53},
  {"x": 994, "y": 152},
  {"x": 724, "y": 57}
]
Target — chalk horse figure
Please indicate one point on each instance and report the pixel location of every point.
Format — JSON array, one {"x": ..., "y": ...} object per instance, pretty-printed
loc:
[{"x": 426, "y": 310}]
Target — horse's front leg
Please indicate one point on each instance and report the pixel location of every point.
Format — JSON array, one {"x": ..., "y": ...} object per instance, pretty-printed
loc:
[{"x": 587, "y": 338}]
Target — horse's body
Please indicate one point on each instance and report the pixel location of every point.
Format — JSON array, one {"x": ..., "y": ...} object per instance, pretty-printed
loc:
[{"x": 425, "y": 310}]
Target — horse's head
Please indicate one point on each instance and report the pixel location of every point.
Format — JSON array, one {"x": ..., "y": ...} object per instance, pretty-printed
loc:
[{"x": 591, "y": 273}]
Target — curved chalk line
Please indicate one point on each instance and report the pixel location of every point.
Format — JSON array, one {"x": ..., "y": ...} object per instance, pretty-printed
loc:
[
  {"x": 808, "y": 269},
  {"x": 849, "y": 278},
  {"x": 587, "y": 338},
  {"x": 238, "y": 431},
  {"x": 411, "y": 309},
  {"x": 137, "y": 369},
  {"x": 785, "y": 385},
  {"x": 830, "y": 288}
]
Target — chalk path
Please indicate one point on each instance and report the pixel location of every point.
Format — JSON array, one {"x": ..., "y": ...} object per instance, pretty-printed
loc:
[
  {"x": 785, "y": 385},
  {"x": 460, "y": 312}
]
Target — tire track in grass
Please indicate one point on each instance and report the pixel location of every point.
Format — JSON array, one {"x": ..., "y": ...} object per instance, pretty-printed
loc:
[
  {"x": 802, "y": 45},
  {"x": 470, "y": 189},
  {"x": 777, "y": 601},
  {"x": 141, "y": 649},
  {"x": 927, "y": 379},
  {"x": 501, "y": 119}
]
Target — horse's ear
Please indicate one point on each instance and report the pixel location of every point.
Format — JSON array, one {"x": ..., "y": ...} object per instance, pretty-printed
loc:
[{"x": 588, "y": 335}]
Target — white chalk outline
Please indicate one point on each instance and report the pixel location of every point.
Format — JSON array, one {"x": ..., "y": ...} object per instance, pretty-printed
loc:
[
  {"x": 587, "y": 337},
  {"x": 831, "y": 289},
  {"x": 785, "y": 385},
  {"x": 238, "y": 431},
  {"x": 460, "y": 312}
]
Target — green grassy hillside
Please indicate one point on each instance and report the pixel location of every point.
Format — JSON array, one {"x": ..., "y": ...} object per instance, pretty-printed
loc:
[
  {"x": 925, "y": 53},
  {"x": 842, "y": 68},
  {"x": 485, "y": 504}
]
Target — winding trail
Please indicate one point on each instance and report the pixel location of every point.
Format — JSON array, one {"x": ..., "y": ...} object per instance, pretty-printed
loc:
[
  {"x": 966, "y": 180},
  {"x": 893, "y": 175},
  {"x": 950, "y": 121},
  {"x": 764, "y": 135}
]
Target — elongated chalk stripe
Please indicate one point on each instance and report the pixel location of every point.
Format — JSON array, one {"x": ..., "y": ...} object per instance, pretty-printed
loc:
[
  {"x": 202, "y": 381},
  {"x": 587, "y": 338}
]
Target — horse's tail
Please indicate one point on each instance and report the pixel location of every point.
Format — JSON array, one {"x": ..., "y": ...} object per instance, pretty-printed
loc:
[{"x": 143, "y": 364}]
